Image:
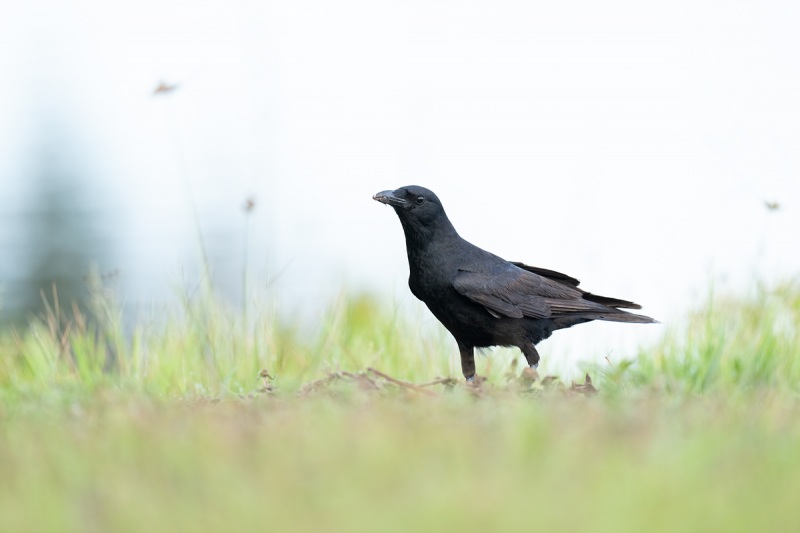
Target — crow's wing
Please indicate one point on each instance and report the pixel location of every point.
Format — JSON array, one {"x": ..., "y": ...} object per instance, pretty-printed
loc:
[
  {"x": 507, "y": 290},
  {"x": 547, "y": 273},
  {"x": 569, "y": 280}
]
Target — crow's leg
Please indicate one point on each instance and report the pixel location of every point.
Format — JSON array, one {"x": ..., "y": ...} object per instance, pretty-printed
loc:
[
  {"x": 531, "y": 355},
  {"x": 467, "y": 361}
]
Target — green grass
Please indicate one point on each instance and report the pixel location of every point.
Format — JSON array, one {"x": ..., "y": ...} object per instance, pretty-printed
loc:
[
  {"x": 731, "y": 346},
  {"x": 170, "y": 428}
]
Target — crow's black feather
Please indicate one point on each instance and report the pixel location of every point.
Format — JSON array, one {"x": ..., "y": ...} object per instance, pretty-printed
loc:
[{"x": 482, "y": 299}]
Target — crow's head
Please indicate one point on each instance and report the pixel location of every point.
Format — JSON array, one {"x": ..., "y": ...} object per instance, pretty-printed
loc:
[
  {"x": 420, "y": 211},
  {"x": 413, "y": 202}
]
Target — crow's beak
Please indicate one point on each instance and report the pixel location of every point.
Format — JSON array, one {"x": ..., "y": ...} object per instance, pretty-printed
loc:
[{"x": 389, "y": 198}]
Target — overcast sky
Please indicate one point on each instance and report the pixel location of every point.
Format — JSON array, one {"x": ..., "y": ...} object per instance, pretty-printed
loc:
[{"x": 630, "y": 144}]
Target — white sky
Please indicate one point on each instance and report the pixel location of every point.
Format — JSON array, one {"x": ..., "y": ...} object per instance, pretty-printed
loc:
[{"x": 630, "y": 144}]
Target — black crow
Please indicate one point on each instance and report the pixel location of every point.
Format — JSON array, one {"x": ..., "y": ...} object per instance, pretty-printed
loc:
[{"x": 482, "y": 299}]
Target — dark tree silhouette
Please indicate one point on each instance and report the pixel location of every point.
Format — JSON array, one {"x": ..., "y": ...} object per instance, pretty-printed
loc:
[{"x": 59, "y": 228}]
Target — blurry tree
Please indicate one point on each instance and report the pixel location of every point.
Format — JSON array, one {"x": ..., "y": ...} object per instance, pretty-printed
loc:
[{"x": 61, "y": 225}]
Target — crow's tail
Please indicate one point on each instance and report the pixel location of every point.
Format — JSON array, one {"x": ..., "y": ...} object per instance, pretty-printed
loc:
[
  {"x": 610, "y": 302},
  {"x": 571, "y": 319},
  {"x": 623, "y": 316}
]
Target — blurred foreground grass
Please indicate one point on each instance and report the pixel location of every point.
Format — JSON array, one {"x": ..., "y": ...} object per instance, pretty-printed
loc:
[{"x": 169, "y": 430}]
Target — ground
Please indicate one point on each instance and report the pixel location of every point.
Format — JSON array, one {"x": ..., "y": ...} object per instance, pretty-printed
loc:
[{"x": 179, "y": 430}]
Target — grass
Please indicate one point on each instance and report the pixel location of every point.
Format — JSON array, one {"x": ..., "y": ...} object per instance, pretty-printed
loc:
[
  {"x": 731, "y": 346},
  {"x": 171, "y": 427}
]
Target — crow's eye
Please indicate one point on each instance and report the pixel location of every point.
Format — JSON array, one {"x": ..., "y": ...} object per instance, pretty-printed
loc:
[{"x": 420, "y": 200}]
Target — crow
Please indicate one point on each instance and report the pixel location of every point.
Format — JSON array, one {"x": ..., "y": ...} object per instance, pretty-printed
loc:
[{"x": 482, "y": 299}]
